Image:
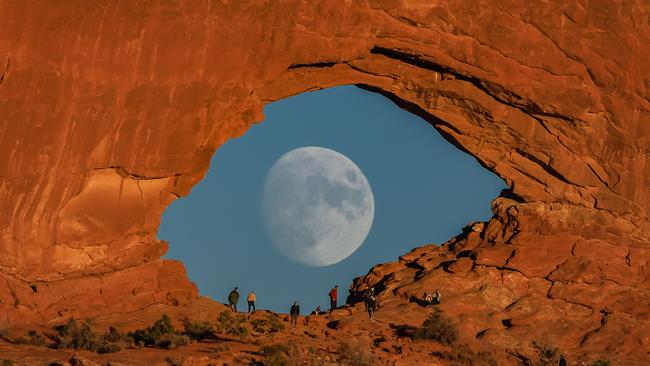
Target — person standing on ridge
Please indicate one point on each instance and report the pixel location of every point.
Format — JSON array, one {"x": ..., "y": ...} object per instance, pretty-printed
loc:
[
  {"x": 233, "y": 298},
  {"x": 294, "y": 312},
  {"x": 334, "y": 295},
  {"x": 367, "y": 294},
  {"x": 371, "y": 306},
  {"x": 251, "y": 301}
]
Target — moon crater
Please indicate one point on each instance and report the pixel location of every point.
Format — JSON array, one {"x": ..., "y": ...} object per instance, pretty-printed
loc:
[{"x": 318, "y": 206}]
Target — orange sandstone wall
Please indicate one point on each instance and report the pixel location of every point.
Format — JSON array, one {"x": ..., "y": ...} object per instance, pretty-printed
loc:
[{"x": 110, "y": 110}]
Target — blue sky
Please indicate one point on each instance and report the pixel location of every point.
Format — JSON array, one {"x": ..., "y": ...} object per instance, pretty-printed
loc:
[{"x": 425, "y": 191}]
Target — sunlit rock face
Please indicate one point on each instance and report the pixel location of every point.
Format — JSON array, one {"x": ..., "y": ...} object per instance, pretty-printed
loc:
[{"x": 110, "y": 111}]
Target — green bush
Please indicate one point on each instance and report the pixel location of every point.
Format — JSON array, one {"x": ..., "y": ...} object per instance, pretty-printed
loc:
[
  {"x": 150, "y": 335},
  {"x": 198, "y": 331},
  {"x": 463, "y": 355},
  {"x": 233, "y": 325},
  {"x": 161, "y": 335},
  {"x": 113, "y": 335},
  {"x": 81, "y": 335},
  {"x": 7, "y": 362},
  {"x": 437, "y": 327},
  {"x": 77, "y": 335}
]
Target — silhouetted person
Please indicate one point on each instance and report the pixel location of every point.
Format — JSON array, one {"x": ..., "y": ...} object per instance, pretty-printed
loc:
[
  {"x": 251, "y": 301},
  {"x": 371, "y": 306},
  {"x": 233, "y": 298},
  {"x": 334, "y": 295},
  {"x": 294, "y": 312},
  {"x": 367, "y": 294},
  {"x": 562, "y": 361}
]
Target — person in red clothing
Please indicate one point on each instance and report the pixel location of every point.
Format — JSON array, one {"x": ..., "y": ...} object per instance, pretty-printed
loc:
[{"x": 334, "y": 295}]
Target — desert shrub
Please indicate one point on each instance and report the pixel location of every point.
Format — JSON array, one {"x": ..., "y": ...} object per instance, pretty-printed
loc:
[
  {"x": 197, "y": 330},
  {"x": 114, "y": 341},
  {"x": 437, "y": 327},
  {"x": 259, "y": 325},
  {"x": 150, "y": 335},
  {"x": 171, "y": 341},
  {"x": 355, "y": 353},
  {"x": 275, "y": 348},
  {"x": 277, "y": 355},
  {"x": 271, "y": 324},
  {"x": 31, "y": 338},
  {"x": 114, "y": 336},
  {"x": 77, "y": 335},
  {"x": 547, "y": 354},
  {"x": 109, "y": 347},
  {"x": 290, "y": 355},
  {"x": 276, "y": 359},
  {"x": 463, "y": 355},
  {"x": 233, "y": 325},
  {"x": 275, "y": 324},
  {"x": 601, "y": 363},
  {"x": 81, "y": 335},
  {"x": 161, "y": 334},
  {"x": 7, "y": 362}
]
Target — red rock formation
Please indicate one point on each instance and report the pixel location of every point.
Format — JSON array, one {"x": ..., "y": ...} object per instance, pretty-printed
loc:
[
  {"x": 508, "y": 284},
  {"x": 109, "y": 111}
]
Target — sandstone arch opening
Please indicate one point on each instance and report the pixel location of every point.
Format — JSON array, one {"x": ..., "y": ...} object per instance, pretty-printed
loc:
[
  {"x": 425, "y": 190},
  {"x": 103, "y": 126},
  {"x": 535, "y": 253}
]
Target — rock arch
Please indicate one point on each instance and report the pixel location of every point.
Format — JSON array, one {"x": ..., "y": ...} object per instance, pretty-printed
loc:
[{"x": 110, "y": 111}]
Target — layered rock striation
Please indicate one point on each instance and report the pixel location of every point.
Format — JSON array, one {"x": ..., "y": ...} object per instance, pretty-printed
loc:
[{"x": 109, "y": 111}]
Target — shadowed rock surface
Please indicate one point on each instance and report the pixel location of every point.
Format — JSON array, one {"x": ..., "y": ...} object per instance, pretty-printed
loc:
[{"x": 109, "y": 111}]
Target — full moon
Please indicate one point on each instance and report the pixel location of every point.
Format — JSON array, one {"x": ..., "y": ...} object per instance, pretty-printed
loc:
[{"x": 317, "y": 206}]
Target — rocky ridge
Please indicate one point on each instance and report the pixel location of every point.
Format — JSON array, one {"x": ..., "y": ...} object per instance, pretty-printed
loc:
[{"x": 507, "y": 285}]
